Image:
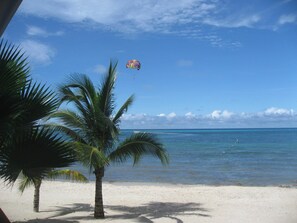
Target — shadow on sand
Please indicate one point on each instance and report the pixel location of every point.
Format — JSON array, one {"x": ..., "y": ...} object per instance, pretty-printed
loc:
[
  {"x": 144, "y": 214},
  {"x": 154, "y": 210}
]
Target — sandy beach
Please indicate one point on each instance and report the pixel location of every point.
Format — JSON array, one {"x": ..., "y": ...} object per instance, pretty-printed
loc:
[{"x": 136, "y": 202}]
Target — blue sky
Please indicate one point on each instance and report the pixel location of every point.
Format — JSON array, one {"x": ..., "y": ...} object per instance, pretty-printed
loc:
[{"x": 205, "y": 64}]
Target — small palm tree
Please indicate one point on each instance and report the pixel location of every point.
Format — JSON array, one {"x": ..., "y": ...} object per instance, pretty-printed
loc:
[
  {"x": 66, "y": 173},
  {"x": 94, "y": 129},
  {"x": 26, "y": 147}
]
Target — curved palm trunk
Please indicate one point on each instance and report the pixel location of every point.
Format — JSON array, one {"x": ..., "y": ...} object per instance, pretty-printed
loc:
[
  {"x": 37, "y": 184},
  {"x": 99, "y": 209}
]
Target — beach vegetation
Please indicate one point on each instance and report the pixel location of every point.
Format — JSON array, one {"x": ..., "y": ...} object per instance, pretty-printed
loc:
[
  {"x": 67, "y": 174},
  {"x": 94, "y": 127},
  {"x": 27, "y": 147}
]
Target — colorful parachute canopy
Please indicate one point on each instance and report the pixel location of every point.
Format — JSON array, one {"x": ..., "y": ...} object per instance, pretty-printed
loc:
[{"x": 134, "y": 64}]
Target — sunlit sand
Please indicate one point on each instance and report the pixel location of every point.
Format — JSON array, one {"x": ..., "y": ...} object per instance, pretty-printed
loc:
[{"x": 142, "y": 202}]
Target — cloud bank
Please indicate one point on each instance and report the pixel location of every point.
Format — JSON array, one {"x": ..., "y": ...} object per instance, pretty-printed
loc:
[
  {"x": 163, "y": 16},
  {"x": 271, "y": 117},
  {"x": 185, "y": 18},
  {"x": 123, "y": 16}
]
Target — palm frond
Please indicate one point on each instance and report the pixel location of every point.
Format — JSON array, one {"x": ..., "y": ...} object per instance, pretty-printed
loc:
[
  {"x": 64, "y": 130},
  {"x": 90, "y": 156},
  {"x": 39, "y": 101},
  {"x": 136, "y": 146},
  {"x": 69, "y": 96},
  {"x": 106, "y": 91},
  {"x": 86, "y": 86},
  {"x": 14, "y": 72},
  {"x": 14, "y": 68},
  {"x": 67, "y": 174},
  {"x": 85, "y": 106},
  {"x": 80, "y": 90},
  {"x": 72, "y": 119},
  {"x": 34, "y": 153},
  {"x": 24, "y": 183},
  {"x": 123, "y": 109}
]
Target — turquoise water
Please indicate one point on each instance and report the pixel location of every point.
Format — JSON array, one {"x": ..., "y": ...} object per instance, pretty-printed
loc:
[{"x": 251, "y": 157}]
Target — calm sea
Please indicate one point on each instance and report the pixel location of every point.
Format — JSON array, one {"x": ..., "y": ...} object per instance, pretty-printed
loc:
[{"x": 254, "y": 157}]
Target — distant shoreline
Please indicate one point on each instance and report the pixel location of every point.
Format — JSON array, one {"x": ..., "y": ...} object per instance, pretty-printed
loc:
[
  {"x": 248, "y": 128},
  {"x": 141, "y": 183}
]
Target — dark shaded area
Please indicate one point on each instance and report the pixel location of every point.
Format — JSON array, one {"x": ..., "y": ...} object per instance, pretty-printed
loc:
[
  {"x": 154, "y": 210},
  {"x": 7, "y": 10},
  {"x": 144, "y": 214},
  {"x": 63, "y": 212},
  {"x": 47, "y": 221},
  {"x": 77, "y": 207},
  {"x": 3, "y": 217}
]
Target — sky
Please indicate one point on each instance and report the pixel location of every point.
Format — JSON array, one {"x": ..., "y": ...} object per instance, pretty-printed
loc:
[{"x": 205, "y": 63}]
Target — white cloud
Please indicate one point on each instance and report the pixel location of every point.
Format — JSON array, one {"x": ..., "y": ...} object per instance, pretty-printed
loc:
[
  {"x": 171, "y": 115},
  {"x": 37, "y": 31},
  {"x": 290, "y": 18},
  {"x": 278, "y": 112},
  {"x": 189, "y": 115},
  {"x": 231, "y": 22},
  {"x": 218, "y": 114},
  {"x": 38, "y": 52},
  {"x": 101, "y": 69}
]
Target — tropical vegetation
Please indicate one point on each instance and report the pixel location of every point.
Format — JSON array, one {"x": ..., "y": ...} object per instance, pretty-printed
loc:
[
  {"x": 53, "y": 174},
  {"x": 93, "y": 126},
  {"x": 27, "y": 148}
]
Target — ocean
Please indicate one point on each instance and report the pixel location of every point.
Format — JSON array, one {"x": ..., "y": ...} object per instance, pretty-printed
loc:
[{"x": 249, "y": 157}]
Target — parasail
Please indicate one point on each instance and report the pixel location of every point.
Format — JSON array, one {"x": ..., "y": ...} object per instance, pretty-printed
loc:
[{"x": 134, "y": 64}]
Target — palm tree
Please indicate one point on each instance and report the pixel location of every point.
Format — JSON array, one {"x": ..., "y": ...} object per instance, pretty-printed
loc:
[
  {"x": 26, "y": 147},
  {"x": 55, "y": 173},
  {"x": 94, "y": 128}
]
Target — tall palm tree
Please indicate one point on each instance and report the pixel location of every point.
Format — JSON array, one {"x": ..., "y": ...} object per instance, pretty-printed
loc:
[
  {"x": 26, "y": 147},
  {"x": 94, "y": 128},
  {"x": 55, "y": 173}
]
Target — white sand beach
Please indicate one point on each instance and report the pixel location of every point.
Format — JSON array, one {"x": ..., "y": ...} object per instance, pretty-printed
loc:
[{"x": 63, "y": 202}]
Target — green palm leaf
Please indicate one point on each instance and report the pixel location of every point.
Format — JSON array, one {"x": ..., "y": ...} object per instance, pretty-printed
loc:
[
  {"x": 34, "y": 153},
  {"x": 14, "y": 72},
  {"x": 106, "y": 92},
  {"x": 73, "y": 134},
  {"x": 86, "y": 87},
  {"x": 68, "y": 175},
  {"x": 14, "y": 68},
  {"x": 122, "y": 110},
  {"x": 138, "y": 145},
  {"x": 25, "y": 182},
  {"x": 90, "y": 156},
  {"x": 71, "y": 118},
  {"x": 22, "y": 102},
  {"x": 39, "y": 101}
]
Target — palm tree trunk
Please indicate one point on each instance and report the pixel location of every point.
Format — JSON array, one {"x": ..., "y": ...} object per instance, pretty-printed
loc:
[
  {"x": 99, "y": 209},
  {"x": 37, "y": 184}
]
